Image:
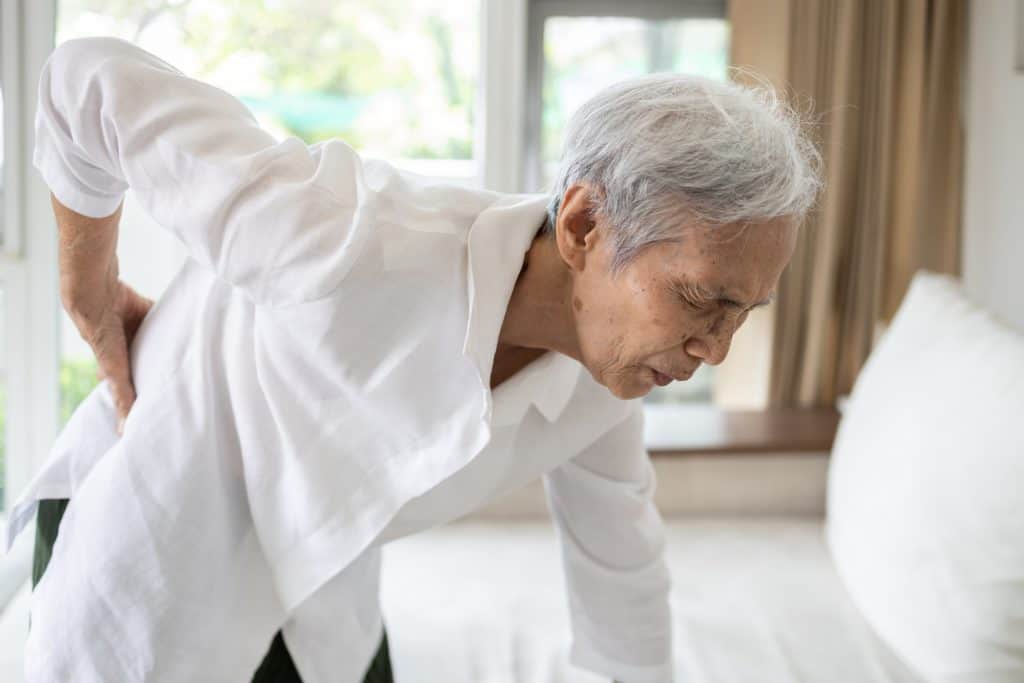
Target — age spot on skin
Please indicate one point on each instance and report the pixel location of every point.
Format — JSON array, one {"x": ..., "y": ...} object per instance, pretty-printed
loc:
[{"x": 577, "y": 303}]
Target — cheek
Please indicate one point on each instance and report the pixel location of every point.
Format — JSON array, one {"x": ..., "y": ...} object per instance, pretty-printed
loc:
[
  {"x": 621, "y": 326},
  {"x": 598, "y": 307},
  {"x": 670, "y": 324},
  {"x": 602, "y": 325},
  {"x": 667, "y": 324},
  {"x": 601, "y": 341}
]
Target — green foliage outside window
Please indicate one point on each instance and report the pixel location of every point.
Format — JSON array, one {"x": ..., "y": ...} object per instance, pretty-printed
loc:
[
  {"x": 77, "y": 379},
  {"x": 393, "y": 78}
]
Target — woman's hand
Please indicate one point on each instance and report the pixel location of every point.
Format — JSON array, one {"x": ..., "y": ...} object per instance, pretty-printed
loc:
[
  {"x": 106, "y": 311},
  {"x": 109, "y": 323}
]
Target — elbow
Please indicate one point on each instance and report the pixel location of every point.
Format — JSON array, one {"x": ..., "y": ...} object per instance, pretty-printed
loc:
[
  {"x": 74, "y": 74},
  {"x": 87, "y": 53}
]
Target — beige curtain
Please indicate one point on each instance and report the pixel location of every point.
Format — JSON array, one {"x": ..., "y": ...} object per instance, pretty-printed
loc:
[{"x": 884, "y": 76}]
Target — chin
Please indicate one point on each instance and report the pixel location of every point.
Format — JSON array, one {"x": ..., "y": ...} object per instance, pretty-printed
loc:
[
  {"x": 623, "y": 390},
  {"x": 630, "y": 390}
]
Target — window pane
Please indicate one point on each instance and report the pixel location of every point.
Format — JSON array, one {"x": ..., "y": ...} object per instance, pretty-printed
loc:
[
  {"x": 3, "y": 324},
  {"x": 3, "y": 172},
  {"x": 396, "y": 79},
  {"x": 584, "y": 54},
  {"x": 77, "y": 369},
  {"x": 3, "y": 398}
]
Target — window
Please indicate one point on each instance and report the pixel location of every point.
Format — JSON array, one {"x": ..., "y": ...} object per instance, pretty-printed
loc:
[
  {"x": 5, "y": 244},
  {"x": 3, "y": 397},
  {"x": 577, "y": 47},
  {"x": 584, "y": 54},
  {"x": 396, "y": 80},
  {"x": 3, "y": 226},
  {"x": 3, "y": 327}
]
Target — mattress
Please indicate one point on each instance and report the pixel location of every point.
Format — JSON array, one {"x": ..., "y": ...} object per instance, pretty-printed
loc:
[{"x": 754, "y": 600}]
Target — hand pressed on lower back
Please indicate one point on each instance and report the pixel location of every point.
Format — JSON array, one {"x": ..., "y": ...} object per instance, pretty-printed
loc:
[
  {"x": 110, "y": 332},
  {"x": 106, "y": 311}
]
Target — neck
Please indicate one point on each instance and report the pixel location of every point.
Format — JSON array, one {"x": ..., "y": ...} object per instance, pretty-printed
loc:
[{"x": 539, "y": 313}]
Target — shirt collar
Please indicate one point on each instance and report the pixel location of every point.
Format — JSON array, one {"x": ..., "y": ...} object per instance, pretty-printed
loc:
[{"x": 497, "y": 243}]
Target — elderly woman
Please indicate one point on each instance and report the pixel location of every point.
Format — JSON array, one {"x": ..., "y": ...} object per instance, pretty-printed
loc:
[{"x": 352, "y": 354}]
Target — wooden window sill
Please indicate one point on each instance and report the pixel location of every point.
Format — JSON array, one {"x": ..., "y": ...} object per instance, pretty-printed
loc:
[{"x": 704, "y": 429}]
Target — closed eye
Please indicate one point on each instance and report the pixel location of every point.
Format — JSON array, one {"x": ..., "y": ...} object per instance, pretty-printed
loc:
[
  {"x": 689, "y": 298},
  {"x": 687, "y": 302},
  {"x": 697, "y": 296},
  {"x": 699, "y": 300}
]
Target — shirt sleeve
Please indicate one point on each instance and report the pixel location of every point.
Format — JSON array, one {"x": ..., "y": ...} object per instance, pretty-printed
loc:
[
  {"x": 612, "y": 540},
  {"x": 279, "y": 219}
]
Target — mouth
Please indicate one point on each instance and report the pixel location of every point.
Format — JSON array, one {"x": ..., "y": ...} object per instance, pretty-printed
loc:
[{"x": 662, "y": 379}]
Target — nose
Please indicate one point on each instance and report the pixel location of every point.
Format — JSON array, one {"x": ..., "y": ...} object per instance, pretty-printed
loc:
[{"x": 712, "y": 346}]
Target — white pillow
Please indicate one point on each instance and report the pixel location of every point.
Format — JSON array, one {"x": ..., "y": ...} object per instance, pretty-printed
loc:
[{"x": 926, "y": 488}]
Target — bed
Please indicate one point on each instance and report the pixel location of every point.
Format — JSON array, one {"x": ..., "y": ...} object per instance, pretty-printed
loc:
[
  {"x": 753, "y": 600},
  {"x": 482, "y": 602}
]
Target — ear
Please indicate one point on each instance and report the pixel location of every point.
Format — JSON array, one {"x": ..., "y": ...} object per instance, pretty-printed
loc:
[{"x": 575, "y": 229}]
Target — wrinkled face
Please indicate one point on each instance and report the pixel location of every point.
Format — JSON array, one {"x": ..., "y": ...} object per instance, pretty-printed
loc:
[{"x": 676, "y": 304}]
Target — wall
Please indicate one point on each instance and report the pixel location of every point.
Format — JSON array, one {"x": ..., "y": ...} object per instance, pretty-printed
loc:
[
  {"x": 759, "y": 31},
  {"x": 994, "y": 174}
]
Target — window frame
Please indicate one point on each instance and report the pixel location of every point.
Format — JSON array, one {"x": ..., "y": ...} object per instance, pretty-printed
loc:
[
  {"x": 28, "y": 272},
  {"x": 10, "y": 81},
  {"x": 500, "y": 132}
]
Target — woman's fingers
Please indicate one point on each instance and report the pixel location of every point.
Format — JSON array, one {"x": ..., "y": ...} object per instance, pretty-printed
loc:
[
  {"x": 110, "y": 346},
  {"x": 136, "y": 311},
  {"x": 108, "y": 320}
]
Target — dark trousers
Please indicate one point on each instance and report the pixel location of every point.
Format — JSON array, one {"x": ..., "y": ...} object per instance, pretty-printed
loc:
[{"x": 277, "y": 665}]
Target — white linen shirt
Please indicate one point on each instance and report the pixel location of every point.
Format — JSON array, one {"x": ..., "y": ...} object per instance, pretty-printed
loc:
[{"x": 313, "y": 383}]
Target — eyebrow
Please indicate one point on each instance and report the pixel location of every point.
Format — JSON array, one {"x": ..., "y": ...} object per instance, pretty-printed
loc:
[{"x": 684, "y": 286}]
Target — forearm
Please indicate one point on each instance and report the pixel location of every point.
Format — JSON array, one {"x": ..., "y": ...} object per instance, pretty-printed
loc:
[
  {"x": 86, "y": 255},
  {"x": 612, "y": 540}
]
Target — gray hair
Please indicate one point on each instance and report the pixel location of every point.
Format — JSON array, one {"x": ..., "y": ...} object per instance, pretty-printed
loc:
[{"x": 668, "y": 148}]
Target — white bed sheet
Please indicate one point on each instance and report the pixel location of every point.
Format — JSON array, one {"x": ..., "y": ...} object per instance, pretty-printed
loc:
[{"x": 753, "y": 600}]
